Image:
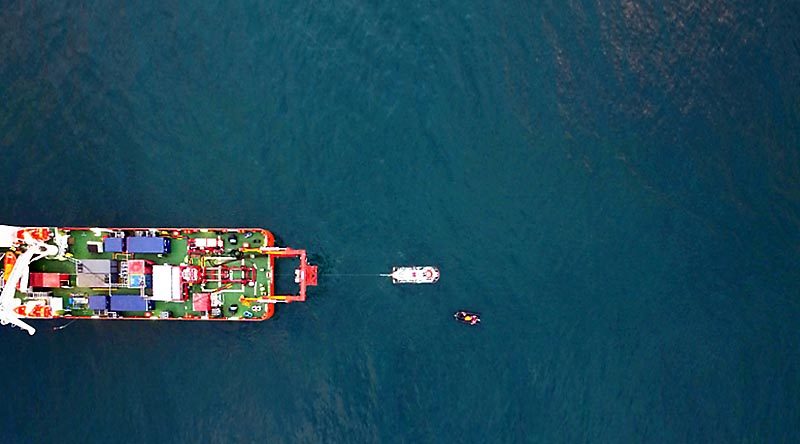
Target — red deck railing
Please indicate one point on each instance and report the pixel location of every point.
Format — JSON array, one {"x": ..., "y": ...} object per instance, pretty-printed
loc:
[{"x": 307, "y": 274}]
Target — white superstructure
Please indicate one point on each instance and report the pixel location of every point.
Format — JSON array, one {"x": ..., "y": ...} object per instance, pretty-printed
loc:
[{"x": 414, "y": 275}]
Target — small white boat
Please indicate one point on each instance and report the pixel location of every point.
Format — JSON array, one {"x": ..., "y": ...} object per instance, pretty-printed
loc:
[{"x": 414, "y": 275}]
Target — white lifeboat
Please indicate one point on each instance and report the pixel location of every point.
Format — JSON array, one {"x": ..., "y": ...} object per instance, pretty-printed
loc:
[{"x": 414, "y": 275}]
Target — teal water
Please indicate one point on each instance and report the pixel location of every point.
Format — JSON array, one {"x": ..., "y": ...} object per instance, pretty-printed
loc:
[{"x": 614, "y": 185}]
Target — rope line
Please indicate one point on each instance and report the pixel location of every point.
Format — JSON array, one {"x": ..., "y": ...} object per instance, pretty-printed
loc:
[
  {"x": 61, "y": 327},
  {"x": 341, "y": 274}
]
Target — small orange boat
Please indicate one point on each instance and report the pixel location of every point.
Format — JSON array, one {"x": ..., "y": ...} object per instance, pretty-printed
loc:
[
  {"x": 36, "y": 233},
  {"x": 9, "y": 259}
]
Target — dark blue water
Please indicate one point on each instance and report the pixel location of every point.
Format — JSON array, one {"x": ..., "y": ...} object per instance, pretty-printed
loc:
[{"x": 614, "y": 185}]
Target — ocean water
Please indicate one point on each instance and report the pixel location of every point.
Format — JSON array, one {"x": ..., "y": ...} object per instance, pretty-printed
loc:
[{"x": 614, "y": 185}]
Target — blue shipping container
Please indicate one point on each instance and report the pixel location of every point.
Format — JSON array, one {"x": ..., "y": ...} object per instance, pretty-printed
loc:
[
  {"x": 113, "y": 245},
  {"x": 140, "y": 244},
  {"x": 98, "y": 302},
  {"x": 124, "y": 302}
]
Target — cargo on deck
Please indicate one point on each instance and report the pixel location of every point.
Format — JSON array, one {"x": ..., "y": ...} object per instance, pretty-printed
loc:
[
  {"x": 153, "y": 245},
  {"x": 128, "y": 302}
]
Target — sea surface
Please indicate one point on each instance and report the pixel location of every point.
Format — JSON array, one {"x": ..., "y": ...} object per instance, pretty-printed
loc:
[{"x": 614, "y": 185}]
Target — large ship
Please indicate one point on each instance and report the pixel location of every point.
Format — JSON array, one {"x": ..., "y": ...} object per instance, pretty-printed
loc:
[{"x": 189, "y": 274}]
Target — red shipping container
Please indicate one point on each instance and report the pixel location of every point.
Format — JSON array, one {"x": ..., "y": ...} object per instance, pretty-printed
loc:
[
  {"x": 201, "y": 302},
  {"x": 136, "y": 266},
  {"x": 46, "y": 280}
]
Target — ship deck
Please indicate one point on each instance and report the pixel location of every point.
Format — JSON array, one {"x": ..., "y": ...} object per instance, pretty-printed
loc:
[
  {"x": 177, "y": 255},
  {"x": 236, "y": 275}
]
